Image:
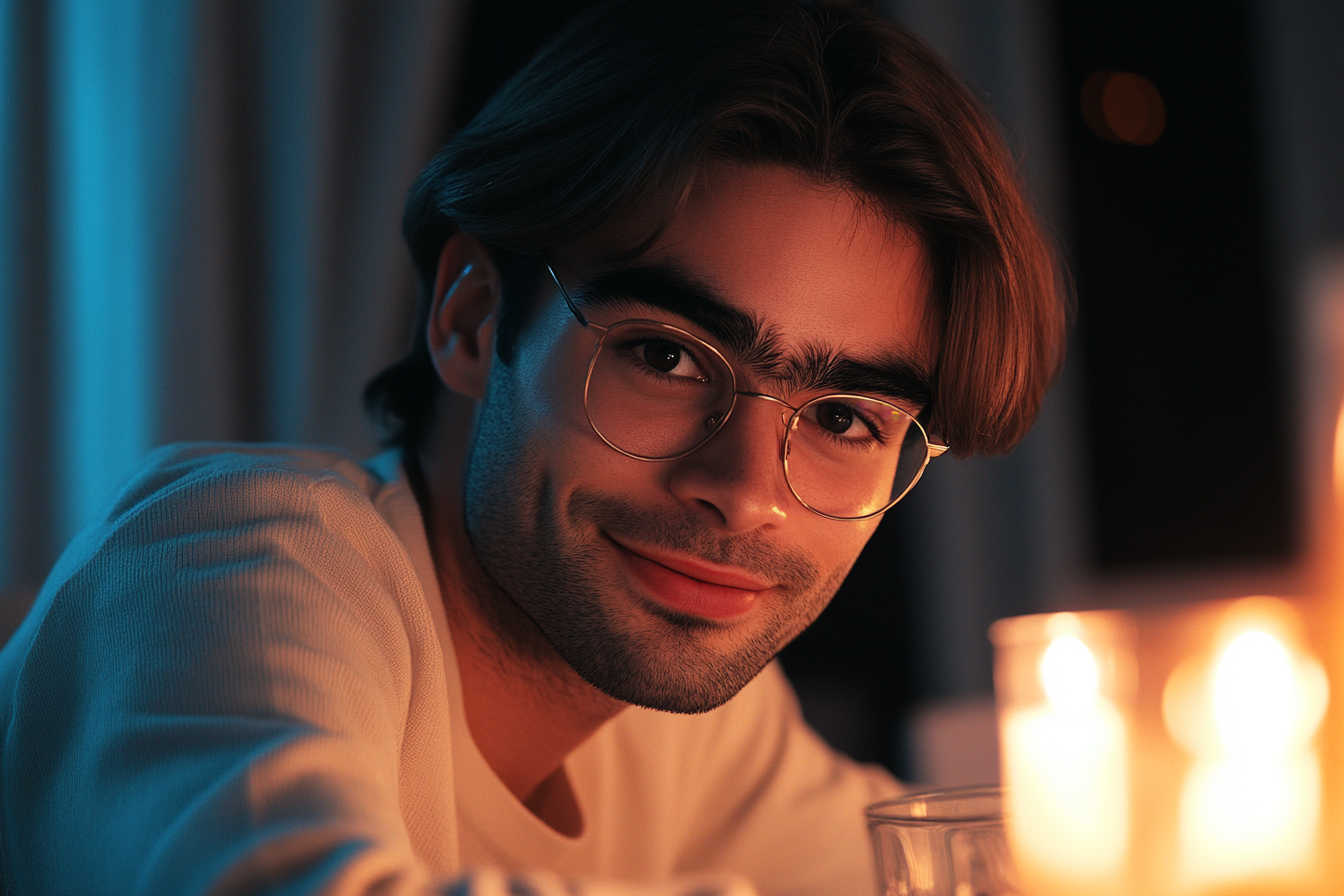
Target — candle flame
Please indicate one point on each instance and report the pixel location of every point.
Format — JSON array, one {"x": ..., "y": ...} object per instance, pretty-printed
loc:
[
  {"x": 1250, "y": 806},
  {"x": 1069, "y": 674},
  {"x": 1258, "y": 696},
  {"x": 1259, "y": 703},
  {"x": 1066, "y": 773}
]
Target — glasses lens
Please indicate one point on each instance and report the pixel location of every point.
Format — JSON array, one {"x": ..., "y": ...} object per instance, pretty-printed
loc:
[
  {"x": 655, "y": 391},
  {"x": 852, "y": 457}
]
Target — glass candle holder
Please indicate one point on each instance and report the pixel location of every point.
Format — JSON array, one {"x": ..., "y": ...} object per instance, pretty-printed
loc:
[
  {"x": 1063, "y": 685},
  {"x": 1170, "y": 752},
  {"x": 1244, "y": 706}
]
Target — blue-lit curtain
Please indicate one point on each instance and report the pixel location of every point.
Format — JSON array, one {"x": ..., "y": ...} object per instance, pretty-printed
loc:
[{"x": 200, "y": 232}]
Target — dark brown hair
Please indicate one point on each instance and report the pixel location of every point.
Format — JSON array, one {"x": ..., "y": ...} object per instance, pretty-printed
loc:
[{"x": 623, "y": 108}]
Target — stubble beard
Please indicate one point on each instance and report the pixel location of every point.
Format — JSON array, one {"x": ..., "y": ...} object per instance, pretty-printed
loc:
[{"x": 557, "y": 568}]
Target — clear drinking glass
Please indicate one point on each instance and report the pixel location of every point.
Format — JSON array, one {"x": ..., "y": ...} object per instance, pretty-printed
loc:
[{"x": 942, "y": 843}]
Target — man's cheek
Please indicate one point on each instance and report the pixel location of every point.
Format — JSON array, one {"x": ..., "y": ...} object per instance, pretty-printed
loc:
[{"x": 838, "y": 549}]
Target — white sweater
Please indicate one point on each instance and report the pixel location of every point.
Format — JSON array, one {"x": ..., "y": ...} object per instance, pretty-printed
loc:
[{"x": 242, "y": 681}]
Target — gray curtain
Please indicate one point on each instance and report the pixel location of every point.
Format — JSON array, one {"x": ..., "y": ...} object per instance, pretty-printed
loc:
[{"x": 200, "y": 233}]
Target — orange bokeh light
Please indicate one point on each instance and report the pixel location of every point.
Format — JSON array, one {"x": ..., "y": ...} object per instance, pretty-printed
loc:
[{"x": 1123, "y": 107}]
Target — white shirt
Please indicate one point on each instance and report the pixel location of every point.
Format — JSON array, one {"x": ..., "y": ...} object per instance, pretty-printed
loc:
[{"x": 242, "y": 680}]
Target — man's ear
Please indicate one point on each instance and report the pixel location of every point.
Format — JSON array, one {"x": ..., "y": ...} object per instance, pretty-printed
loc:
[{"x": 463, "y": 314}]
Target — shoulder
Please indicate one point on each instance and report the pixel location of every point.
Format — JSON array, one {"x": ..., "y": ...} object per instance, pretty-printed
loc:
[
  {"x": 209, "y": 499},
  {"x": 216, "y": 537},
  {"x": 239, "y": 643},
  {"x": 249, "y": 565},
  {"x": 222, "y": 468}
]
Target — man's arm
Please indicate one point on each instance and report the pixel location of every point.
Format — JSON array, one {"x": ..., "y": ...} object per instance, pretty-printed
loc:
[{"x": 214, "y": 698}]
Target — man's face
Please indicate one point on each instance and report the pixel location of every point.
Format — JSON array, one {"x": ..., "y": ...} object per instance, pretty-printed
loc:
[{"x": 671, "y": 584}]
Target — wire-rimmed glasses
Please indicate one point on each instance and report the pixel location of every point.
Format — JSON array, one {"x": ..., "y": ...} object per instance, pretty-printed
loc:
[{"x": 655, "y": 392}]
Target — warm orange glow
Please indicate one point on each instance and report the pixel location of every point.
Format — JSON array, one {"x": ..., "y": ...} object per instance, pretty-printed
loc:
[
  {"x": 1339, "y": 457},
  {"x": 1250, "y": 807},
  {"x": 1232, "y": 789},
  {"x": 1123, "y": 107},
  {"x": 1066, "y": 774}
]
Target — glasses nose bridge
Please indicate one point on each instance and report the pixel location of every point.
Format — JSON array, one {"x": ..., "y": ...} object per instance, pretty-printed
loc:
[
  {"x": 786, "y": 410},
  {"x": 786, "y": 413}
]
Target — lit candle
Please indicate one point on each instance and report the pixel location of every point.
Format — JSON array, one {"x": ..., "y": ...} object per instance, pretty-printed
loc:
[
  {"x": 1251, "y": 804},
  {"x": 1065, "y": 763}
]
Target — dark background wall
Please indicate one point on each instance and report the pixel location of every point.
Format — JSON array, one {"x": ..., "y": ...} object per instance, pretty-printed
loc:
[{"x": 1186, "y": 386}]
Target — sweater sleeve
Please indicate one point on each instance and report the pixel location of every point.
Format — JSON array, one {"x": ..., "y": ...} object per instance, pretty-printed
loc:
[{"x": 211, "y": 697}]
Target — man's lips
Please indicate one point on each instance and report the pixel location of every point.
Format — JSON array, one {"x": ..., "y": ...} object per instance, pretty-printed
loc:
[{"x": 692, "y": 586}]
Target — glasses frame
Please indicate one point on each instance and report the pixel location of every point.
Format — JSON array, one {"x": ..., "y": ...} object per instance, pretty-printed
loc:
[{"x": 790, "y": 420}]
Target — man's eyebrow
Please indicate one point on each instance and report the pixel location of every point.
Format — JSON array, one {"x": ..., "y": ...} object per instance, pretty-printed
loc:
[
  {"x": 673, "y": 290},
  {"x": 754, "y": 346},
  {"x": 819, "y": 368}
]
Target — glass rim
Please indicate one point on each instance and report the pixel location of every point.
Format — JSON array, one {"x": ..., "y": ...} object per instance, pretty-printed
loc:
[
  {"x": 1090, "y": 626},
  {"x": 887, "y": 811}
]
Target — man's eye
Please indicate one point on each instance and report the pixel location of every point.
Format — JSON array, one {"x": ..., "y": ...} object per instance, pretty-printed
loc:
[
  {"x": 662, "y": 355},
  {"x": 844, "y": 422},
  {"x": 835, "y": 417},
  {"x": 668, "y": 357}
]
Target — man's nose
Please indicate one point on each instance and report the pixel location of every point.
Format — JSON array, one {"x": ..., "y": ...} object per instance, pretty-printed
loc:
[{"x": 738, "y": 475}]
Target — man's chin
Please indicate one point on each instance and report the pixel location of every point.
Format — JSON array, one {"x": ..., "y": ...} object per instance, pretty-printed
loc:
[
  {"x": 686, "y": 695},
  {"x": 674, "y": 662}
]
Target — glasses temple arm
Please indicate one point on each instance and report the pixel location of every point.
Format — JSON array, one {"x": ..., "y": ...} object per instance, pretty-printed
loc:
[{"x": 578, "y": 315}]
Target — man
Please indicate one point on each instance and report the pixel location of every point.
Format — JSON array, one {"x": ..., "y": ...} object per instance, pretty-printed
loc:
[{"x": 694, "y": 288}]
